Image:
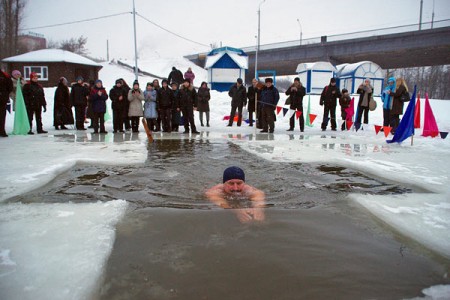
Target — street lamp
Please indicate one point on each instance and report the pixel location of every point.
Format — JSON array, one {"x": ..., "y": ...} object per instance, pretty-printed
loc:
[
  {"x": 301, "y": 32},
  {"x": 259, "y": 35},
  {"x": 135, "y": 44}
]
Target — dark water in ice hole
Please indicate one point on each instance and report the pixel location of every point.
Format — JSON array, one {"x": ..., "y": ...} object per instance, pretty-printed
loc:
[{"x": 314, "y": 244}]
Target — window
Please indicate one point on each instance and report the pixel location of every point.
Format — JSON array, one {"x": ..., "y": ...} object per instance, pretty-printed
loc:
[{"x": 42, "y": 72}]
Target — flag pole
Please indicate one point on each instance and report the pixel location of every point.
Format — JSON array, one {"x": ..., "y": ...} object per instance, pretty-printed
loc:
[{"x": 256, "y": 109}]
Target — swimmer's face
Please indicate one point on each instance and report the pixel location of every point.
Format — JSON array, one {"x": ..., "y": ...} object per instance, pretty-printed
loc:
[{"x": 233, "y": 186}]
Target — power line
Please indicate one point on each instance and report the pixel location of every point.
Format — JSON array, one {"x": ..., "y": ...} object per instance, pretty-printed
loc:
[
  {"x": 79, "y": 21},
  {"x": 171, "y": 32}
]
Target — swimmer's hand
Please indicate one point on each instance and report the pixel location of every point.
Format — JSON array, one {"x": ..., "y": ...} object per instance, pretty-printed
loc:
[{"x": 246, "y": 215}]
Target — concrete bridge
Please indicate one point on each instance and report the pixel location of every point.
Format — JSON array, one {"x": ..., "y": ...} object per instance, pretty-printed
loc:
[{"x": 399, "y": 50}]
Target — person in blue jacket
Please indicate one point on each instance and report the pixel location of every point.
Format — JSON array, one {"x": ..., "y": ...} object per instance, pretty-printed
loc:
[
  {"x": 386, "y": 98},
  {"x": 269, "y": 101}
]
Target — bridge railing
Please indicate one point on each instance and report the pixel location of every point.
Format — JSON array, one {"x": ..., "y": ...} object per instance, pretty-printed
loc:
[{"x": 351, "y": 35}]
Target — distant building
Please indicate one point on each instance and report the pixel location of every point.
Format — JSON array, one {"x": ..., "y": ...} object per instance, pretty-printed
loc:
[
  {"x": 225, "y": 65},
  {"x": 52, "y": 64},
  {"x": 31, "y": 42}
]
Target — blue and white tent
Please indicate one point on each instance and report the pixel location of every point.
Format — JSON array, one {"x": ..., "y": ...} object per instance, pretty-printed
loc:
[
  {"x": 225, "y": 65},
  {"x": 315, "y": 76},
  {"x": 352, "y": 75}
]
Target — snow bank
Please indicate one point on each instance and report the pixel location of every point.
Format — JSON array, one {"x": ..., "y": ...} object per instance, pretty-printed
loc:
[{"x": 55, "y": 251}]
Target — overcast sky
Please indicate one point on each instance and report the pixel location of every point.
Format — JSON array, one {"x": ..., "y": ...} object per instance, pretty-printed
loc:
[{"x": 232, "y": 22}]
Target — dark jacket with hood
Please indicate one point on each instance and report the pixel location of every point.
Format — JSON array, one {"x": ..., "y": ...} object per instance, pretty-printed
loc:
[
  {"x": 114, "y": 95},
  {"x": 6, "y": 86},
  {"x": 329, "y": 95},
  {"x": 203, "y": 97},
  {"x": 238, "y": 95},
  {"x": 165, "y": 98},
  {"x": 34, "y": 96},
  {"x": 175, "y": 76},
  {"x": 78, "y": 95},
  {"x": 187, "y": 97},
  {"x": 296, "y": 92},
  {"x": 98, "y": 101}
]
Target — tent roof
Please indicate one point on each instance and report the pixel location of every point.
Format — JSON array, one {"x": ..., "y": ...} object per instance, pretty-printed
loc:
[
  {"x": 240, "y": 60},
  {"x": 361, "y": 69},
  {"x": 319, "y": 65},
  {"x": 52, "y": 55}
]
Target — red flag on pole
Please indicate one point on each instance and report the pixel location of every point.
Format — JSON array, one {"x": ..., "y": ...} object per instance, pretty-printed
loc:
[
  {"x": 417, "y": 113},
  {"x": 278, "y": 109},
  {"x": 387, "y": 130},
  {"x": 298, "y": 114},
  {"x": 349, "y": 124},
  {"x": 312, "y": 118}
]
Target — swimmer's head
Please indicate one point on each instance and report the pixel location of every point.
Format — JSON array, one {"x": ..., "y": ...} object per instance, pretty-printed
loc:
[{"x": 233, "y": 173}]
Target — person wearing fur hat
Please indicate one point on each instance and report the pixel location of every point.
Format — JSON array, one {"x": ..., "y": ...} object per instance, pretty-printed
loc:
[
  {"x": 328, "y": 99},
  {"x": 203, "y": 96},
  {"x": 98, "y": 99},
  {"x": 165, "y": 101},
  {"x": 254, "y": 92},
  {"x": 118, "y": 95},
  {"x": 296, "y": 91},
  {"x": 187, "y": 104},
  {"x": 16, "y": 77},
  {"x": 135, "y": 111},
  {"x": 238, "y": 96},
  {"x": 78, "y": 99},
  {"x": 233, "y": 188},
  {"x": 269, "y": 100},
  {"x": 34, "y": 97},
  {"x": 6, "y": 86},
  {"x": 62, "y": 112}
]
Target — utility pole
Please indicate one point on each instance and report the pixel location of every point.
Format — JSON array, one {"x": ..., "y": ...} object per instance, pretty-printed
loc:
[
  {"x": 135, "y": 44},
  {"x": 420, "y": 18},
  {"x": 107, "y": 50},
  {"x": 432, "y": 17},
  {"x": 301, "y": 31},
  {"x": 259, "y": 40}
]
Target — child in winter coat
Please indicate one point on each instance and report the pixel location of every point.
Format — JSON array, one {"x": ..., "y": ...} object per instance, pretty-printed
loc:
[
  {"x": 150, "y": 113},
  {"x": 344, "y": 102}
]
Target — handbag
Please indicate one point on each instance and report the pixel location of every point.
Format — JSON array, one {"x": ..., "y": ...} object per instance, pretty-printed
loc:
[
  {"x": 405, "y": 97},
  {"x": 372, "y": 104}
]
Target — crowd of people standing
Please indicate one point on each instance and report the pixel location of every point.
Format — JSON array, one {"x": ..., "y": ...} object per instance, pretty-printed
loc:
[{"x": 172, "y": 104}]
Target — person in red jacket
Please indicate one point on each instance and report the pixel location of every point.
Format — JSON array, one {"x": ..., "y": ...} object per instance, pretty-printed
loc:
[
  {"x": 6, "y": 86},
  {"x": 34, "y": 97}
]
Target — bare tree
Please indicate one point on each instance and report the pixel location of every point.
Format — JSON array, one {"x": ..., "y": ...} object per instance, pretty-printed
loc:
[{"x": 11, "y": 14}]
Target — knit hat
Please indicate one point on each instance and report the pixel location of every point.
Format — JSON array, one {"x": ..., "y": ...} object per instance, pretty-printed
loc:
[
  {"x": 79, "y": 78},
  {"x": 98, "y": 80},
  {"x": 233, "y": 173},
  {"x": 118, "y": 81},
  {"x": 239, "y": 80},
  {"x": 16, "y": 73}
]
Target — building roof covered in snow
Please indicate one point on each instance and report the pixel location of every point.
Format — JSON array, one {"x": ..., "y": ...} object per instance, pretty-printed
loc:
[
  {"x": 360, "y": 69},
  {"x": 237, "y": 56},
  {"x": 52, "y": 55},
  {"x": 315, "y": 66}
]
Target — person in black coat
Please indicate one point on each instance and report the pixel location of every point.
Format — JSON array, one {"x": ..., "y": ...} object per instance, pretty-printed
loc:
[
  {"x": 238, "y": 96},
  {"x": 78, "y": 99},
  {"x": 187, "y": 103},
  {"x": 34, "y": 97},
  {"x": 296, "y": 91},
  {"x": 176, "y": 116},
  {"x": 119, "y": 103},
  {"x": 164, "y": 100},
  {"x": 98, "y": 99},
  {"x": 62, "y": 111},
  {"x": 6, "y": 86},
  {"x": 254, "y": 91},
  {"x": 203, "y": 96},
  {"x": 175, "y": 76},
  {"x": 269, "y": 100},
  {"x": 328, "y": 99}
]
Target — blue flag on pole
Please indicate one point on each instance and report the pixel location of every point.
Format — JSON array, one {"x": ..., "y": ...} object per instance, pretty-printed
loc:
[{"x": 406, "y": 127}]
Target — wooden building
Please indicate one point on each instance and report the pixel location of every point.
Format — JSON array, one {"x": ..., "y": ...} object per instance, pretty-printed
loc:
[{"x": 52, "y": 64}]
